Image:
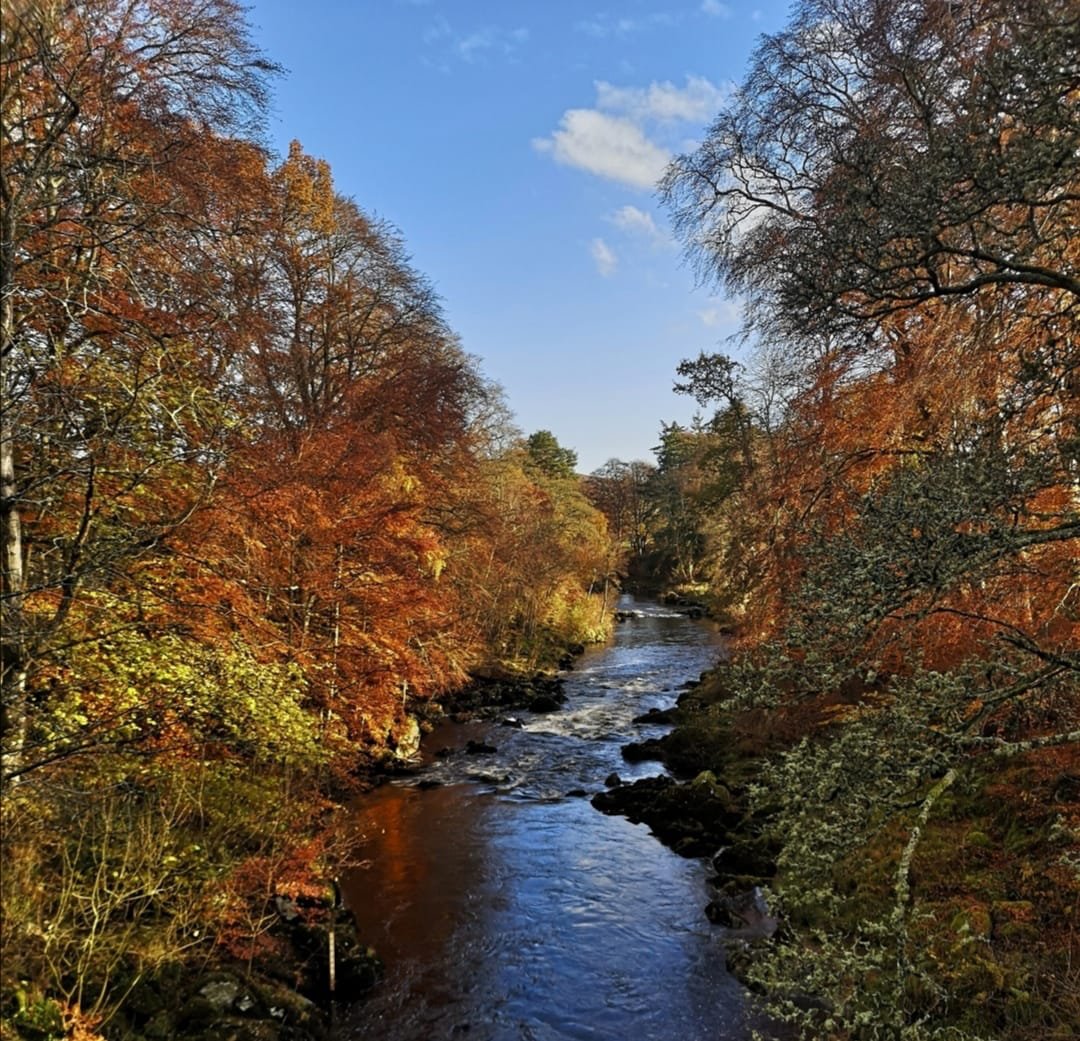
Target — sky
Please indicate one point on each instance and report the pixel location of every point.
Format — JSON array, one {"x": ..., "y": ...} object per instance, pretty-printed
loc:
[{"x": 516, "y": 146}]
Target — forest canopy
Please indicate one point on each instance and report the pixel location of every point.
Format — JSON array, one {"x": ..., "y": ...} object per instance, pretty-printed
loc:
[
  {"x": 258, "y": 504},
  {"x": 894, "y": 193}
]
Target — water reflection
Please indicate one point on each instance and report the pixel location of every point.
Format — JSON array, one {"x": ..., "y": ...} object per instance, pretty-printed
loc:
[{"x": 506, "y": 910}]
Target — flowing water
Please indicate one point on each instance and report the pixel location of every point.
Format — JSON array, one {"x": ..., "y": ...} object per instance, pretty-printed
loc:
[{"x": 506, "y": 909}]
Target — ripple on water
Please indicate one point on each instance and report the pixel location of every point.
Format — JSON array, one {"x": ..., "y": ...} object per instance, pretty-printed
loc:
[{"x": 507, "y": 911}]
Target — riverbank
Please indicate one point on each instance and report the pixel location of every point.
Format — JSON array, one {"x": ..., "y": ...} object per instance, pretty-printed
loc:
[
  {"x": 990, "y": 887},
  {"x": 308, "y": 960}
]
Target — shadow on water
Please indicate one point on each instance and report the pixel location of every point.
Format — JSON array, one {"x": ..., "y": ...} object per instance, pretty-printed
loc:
[{"x": 507, "y": 909}]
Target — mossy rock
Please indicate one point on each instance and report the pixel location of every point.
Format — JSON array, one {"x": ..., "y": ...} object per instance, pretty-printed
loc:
[{"x": 160, "y": 1028}]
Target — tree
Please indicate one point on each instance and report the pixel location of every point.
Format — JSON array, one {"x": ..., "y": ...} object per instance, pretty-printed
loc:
[
  {"x": 894, "y": 190},
  {"x": 879, "y": 155},
  {"x": 548, "y": 456},
  {"x": 621, "y": 491},
  {"x": 110, "y": 115}
]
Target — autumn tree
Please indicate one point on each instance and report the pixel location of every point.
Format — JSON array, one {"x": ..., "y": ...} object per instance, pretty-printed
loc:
[
  {"x": 109, "y": 113},
  {"x": 893, "y": 190},
  {"x": 620, "y": 491}
]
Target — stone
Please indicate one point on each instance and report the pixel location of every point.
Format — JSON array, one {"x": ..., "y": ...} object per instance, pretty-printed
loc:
[
  {"x": 641, "y": 751},
  {"x": 544, "y": 703},
  {"x": 655, "y": 715},
  {"x": 220, "y": 993}
]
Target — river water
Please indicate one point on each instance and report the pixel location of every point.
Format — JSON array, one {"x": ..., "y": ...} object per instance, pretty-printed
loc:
[{"x": 507, "y": 910}]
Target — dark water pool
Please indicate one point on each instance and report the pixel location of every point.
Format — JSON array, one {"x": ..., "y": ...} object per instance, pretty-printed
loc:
[{"x": 507, "y": 909}]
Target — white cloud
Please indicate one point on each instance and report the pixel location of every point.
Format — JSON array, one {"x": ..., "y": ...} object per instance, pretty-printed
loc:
[
  {"x": 637, "y": 222},
  {"x": 610, "y": 146},
  {"x": 604, "y": 257},
  {"x": 716, "y": 9},
  {"x": 490, "y": 39},
  {"x": 663, "y": 102},
  {"x": 630, "y": 218},
  {"x": 604, "y": 25},
  {"x": 613, "y": 139}
]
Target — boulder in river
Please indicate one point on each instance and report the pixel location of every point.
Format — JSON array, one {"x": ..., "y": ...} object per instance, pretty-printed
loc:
[
  {"x": 656, "y": 715},
  {"x": 545, "y": 703},
  {"x": 641, "y": 751},
  {"x": 689, "y": 818}
]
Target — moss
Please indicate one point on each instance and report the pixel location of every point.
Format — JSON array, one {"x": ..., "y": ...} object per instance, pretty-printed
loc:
[{"x": 972, "y": 923}]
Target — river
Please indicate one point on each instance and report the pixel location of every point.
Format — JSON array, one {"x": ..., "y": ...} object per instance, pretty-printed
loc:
[{"x": 507, "y": 910}]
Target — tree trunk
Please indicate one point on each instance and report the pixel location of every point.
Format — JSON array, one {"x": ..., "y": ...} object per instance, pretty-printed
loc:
[{"x": 12, "y": 585}]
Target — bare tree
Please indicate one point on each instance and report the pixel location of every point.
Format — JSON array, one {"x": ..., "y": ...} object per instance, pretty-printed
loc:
[{"x": 880, "y": 154}]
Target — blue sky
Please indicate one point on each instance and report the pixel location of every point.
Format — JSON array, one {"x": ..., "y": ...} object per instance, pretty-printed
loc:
[{"x": 515, "y": 146}]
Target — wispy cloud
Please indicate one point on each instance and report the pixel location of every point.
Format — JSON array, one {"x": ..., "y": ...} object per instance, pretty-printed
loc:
[
  {"x": 716, "y": 9},
  {"x": 720, "y": 312},
  {"x": 633, "y": 221},
  {"x": 604, "y": 257},
  {"x": 613, "y": 139},
  {"x": 602, "y": 26},
  {"x": 483, "y": 42}
]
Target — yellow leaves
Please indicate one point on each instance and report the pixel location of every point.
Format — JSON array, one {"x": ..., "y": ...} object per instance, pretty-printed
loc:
[{"x": 307, "y": 191}]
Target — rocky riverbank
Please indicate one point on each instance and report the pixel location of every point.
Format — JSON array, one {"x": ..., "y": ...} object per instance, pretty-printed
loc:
[
  {"x": 703, "y": 809},
  {"x": 289, "y": 985},
  {"x": 309, "y": 956}
]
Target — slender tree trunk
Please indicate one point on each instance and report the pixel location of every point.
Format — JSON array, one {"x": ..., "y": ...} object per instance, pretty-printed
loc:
[{"x": 12, "y": 583}]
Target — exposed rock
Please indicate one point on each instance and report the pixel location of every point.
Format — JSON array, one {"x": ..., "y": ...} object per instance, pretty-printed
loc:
[
  {"x": 493, "y": 692},
  {"x": 745, "y": 915},
  {"x": 748, "y": 855},
  {"x": 286, "y": 908},
  {"x": 545, "y": 703},
  {"x": 612, "y": 781},
  {"x": 221, "y": 992},
  {"x": 688, "y": 818},
  {"x": 479, "y": 748},
  {"x": 488, "y": 778},
  {"x": 407, "y": 739},
  {"x": 641, "y": 751},
  {"x": 656, "y": 715}
]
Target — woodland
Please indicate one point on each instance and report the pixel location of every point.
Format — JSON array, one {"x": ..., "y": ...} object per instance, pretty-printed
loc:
[
  {"x": 883, "y": 504},
  {"x": 261, "y": 511},
  {"x": 258, "y": 503}
]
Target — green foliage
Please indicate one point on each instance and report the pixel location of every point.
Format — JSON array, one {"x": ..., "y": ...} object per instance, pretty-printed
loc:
[
  {"x": 132, "y": 687},
  {"x": 548, "y": 456},
  {"x": 857, "y": 807}
]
